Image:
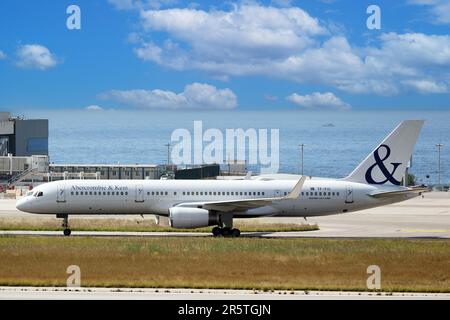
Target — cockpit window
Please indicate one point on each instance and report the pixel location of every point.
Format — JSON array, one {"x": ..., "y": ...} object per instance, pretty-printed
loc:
[{"x": 38, "y": 194}]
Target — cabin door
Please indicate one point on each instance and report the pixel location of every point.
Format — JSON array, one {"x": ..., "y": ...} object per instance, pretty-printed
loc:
[
  {"x": 139, "y": 193},
  {"x": 61, "y": 195},
  {"x": 349, "y": 195}
]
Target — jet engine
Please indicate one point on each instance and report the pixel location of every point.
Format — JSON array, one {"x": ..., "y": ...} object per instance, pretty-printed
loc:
[{"x": 191, "y": 218}]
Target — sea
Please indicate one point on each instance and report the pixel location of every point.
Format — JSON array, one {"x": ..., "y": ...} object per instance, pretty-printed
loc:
[{"x": 334, "y": 142}]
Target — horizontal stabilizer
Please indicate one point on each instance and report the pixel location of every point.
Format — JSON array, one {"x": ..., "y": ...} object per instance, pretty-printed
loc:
[{"x": 388, "y": 194}]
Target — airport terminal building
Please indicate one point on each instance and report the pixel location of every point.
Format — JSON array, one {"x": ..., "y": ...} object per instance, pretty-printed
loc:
[{"x": 22, "y": 137}]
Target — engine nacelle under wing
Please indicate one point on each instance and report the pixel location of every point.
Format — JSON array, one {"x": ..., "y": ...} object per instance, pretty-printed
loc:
[{"x": 191, "y": 218}]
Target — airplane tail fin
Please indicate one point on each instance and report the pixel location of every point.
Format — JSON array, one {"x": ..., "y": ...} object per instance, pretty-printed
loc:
[{"x": 386, "y": 164}]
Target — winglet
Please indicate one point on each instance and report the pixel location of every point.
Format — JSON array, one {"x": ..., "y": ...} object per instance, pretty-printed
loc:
[{"x": 295, "y": 192}]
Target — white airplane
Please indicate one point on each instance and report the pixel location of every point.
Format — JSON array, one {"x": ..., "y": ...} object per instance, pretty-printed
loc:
[{"x": 200, "y": 203}]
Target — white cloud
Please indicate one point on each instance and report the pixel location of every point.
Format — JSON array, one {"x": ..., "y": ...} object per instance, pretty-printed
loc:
[
  {"x": 94, "y": 108},
  {"x": 426, "y": 86},
  {"x": 35, "y": 56},
  {"x": 140, "y": 4},
  {"x": 439, "y": 9},
  {"x": 319, "y": 101},
  {"x": 2, "y": 55},
  {"x": 247, "y": 31},
  {"x": 194, "y": 96},
  {"x": 288, "y": 43}
]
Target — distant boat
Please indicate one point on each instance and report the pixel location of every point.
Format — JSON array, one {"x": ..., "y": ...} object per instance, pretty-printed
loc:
[{"x": 328, "y": 125}]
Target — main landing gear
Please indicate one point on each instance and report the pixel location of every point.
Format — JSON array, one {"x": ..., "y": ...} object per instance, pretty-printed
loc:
[
  {"x": 225, "y": 228},
  {"x": 226, "y": 232},
  {"x": 65, "y": 224}
]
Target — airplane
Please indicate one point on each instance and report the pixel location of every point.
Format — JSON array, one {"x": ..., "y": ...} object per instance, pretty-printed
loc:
[{"x": 188, "y": 204}]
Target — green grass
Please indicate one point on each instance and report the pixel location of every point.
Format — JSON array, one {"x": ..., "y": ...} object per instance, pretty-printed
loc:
[
  {"x": 242, "y": 263},
  {"x": 138, "y": 225}
]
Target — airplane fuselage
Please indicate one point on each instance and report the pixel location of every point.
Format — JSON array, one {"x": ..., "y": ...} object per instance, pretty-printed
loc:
[{"x": 103, "y": 197}]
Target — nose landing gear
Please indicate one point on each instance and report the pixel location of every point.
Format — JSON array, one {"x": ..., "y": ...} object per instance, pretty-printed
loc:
[{"x": 65, "y": 224}]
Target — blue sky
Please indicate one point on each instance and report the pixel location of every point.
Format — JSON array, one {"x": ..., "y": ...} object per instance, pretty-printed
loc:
[{"x": 169, "y": 54}]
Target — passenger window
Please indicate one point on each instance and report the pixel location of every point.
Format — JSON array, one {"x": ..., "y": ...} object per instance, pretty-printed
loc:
[
  {"x": 157, "y": 193},
  {"x": 259, "y": 193},
  {"x": 81, "y": 193},
  {"x": 337, "y": 193},
  {"x": 262, "y": 193},
  {"x": 228, "y": 193},
  {"x": 121, "y": 193},
  {"x": 108, "y": 193},
  {"x": 167, "y": 193},
  {"x": 240, "y": 193},
  {"x": 174, "y": 193},
  {"x": 232, "y": 193},
  {"x": 71, "y": 193}
]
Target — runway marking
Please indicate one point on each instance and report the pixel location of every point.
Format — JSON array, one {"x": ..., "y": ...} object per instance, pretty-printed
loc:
[
  {"x": 425, "y": 230},
  {"x": 435, "y": 233},
  {"x": 49, "y": 293}
]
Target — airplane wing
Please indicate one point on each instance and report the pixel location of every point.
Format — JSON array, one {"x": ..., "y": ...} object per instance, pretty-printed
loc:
[
  {"x": 245, "y": 204},
  {"x": 388, "y": 194}
]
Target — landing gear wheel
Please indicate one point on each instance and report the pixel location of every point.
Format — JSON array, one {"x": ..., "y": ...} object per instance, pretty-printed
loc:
[
  {"x": 216, "y": 231},
  {"x": 65, "y": 224},
  {"x": 226, "y": 232},
  {"x": 235, "y": 233}
]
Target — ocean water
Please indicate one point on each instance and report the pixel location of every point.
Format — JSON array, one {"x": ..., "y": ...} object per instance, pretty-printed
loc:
[{"x": 139, "y": 136}]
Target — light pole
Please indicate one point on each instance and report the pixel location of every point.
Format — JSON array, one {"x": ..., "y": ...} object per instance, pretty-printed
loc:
[
  {"x": 439, "y": 145},
  {"x": 168, "y": 154},
  {"x": 302, "y": 148}
]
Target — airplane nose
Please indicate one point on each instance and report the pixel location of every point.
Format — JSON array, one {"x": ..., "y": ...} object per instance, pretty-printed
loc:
[{"x": 21, "y": 205}]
